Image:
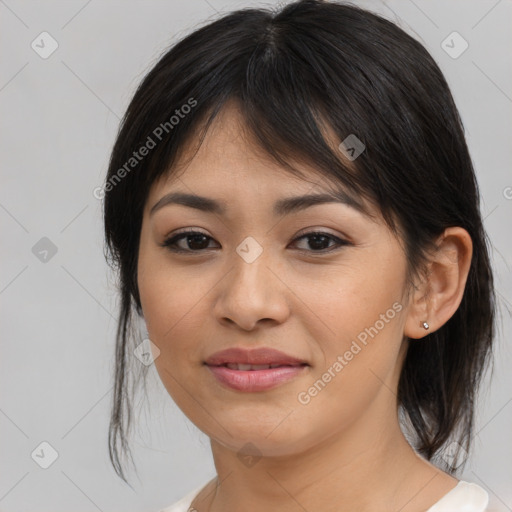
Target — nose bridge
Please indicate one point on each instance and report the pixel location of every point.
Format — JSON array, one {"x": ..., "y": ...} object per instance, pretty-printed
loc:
[
  {"x": 250, "y": 264},
  {"x": 250, "y": 292},
  {"x": 249, "y": 250}
]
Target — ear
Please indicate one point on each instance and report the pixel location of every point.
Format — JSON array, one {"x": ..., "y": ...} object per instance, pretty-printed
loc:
[{"x": 439, "y": 294}]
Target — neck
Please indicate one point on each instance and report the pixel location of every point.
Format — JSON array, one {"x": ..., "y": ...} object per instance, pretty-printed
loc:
[{"x": 360, "y": 468}]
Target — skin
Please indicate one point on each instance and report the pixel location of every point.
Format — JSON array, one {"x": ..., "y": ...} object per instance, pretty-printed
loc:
[{"x": 344, "y": 450}]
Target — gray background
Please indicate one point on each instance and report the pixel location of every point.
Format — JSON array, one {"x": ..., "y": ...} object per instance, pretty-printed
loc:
[{"x": 59, "y": 117}]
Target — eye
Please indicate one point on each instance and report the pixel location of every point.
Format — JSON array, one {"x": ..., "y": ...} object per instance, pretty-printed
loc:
[
  {"x": 318, "y": 241},
  {"x": 196, "y": 241}
]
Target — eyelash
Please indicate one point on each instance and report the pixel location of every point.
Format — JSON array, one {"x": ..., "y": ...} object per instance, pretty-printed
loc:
[{"x": 169, "y": 242}]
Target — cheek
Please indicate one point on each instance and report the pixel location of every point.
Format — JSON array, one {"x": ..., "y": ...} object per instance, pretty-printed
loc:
[
  {"x": 357, "y": 320},
  {"x": 168, "y": 306},
  {"x": 175, "y": 305},
  {"x": 354, "y": 374},
  {"x": 171, "y": 308},
  {"x": 358, "y": 300}
]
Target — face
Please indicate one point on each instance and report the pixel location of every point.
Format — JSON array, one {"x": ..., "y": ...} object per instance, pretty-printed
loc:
[{"x": 249, "y": 278}]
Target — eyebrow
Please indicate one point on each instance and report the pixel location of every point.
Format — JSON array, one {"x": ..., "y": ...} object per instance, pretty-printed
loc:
[{"x": 282, "y": 207}]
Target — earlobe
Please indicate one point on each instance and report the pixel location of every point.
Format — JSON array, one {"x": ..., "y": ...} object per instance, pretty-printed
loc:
[
  {"x": 439, "y": 295},
  {"x": 418, "y": 323}
]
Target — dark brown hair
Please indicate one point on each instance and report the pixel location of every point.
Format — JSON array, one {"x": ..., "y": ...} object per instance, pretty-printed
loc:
[{"x": 290, "y": 69}]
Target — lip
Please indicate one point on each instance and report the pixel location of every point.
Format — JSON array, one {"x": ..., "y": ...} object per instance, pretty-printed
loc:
[
  {"x": 262, "y": 355},
  {"x": 254, "y": 380},
  {"x": 251, "y": 381}
]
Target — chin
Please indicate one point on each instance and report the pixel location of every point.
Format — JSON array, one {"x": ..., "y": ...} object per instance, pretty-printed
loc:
[
  {"x": 273, "y": 437},
  {"x": 260, "y": 445}
]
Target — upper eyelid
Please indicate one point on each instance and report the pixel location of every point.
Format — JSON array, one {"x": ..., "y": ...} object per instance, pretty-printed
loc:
[
  {"x": 305, "y": 231},
  {"x": 308, "y": 231},
  {"x": 311, "y": 231}
]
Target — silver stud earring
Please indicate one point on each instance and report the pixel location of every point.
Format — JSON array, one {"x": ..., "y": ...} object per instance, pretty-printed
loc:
[{"x": 425, "y": 325}]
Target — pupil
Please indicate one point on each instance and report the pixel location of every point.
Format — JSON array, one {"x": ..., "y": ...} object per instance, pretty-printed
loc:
[
  {"x": 316, "y": 241},
  {"x": 195, "y": 238}
]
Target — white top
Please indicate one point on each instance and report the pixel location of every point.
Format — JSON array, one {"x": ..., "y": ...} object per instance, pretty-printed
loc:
[{"x": 464, "y": 497}]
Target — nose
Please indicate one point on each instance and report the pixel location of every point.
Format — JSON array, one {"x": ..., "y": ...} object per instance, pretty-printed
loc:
[{"x": 251, "y": 292}]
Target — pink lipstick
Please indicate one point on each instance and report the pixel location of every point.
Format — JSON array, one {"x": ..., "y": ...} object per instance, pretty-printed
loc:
[{"x": 254, "y": 370}]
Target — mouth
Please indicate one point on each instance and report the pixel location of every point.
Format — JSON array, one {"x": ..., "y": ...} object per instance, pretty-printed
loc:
[
  {"x": 255, "y": 359},
  {"x": 252, "y": 378},
  {"x": 257, "y": 367}
]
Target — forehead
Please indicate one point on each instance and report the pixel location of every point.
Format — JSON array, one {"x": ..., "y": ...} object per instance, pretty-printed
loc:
[
  {"x": 229, "y": 154},
  {"x": 229, "y": 166},
  {"x": 230, "y": 158}
]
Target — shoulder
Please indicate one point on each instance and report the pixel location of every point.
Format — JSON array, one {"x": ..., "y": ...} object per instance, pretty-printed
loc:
[
  {"x": 184, "y": 503},
  {"x": 464, "y": 497}
]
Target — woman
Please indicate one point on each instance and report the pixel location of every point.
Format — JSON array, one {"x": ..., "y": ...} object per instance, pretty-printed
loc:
[{"x": 293, "y": 212}]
